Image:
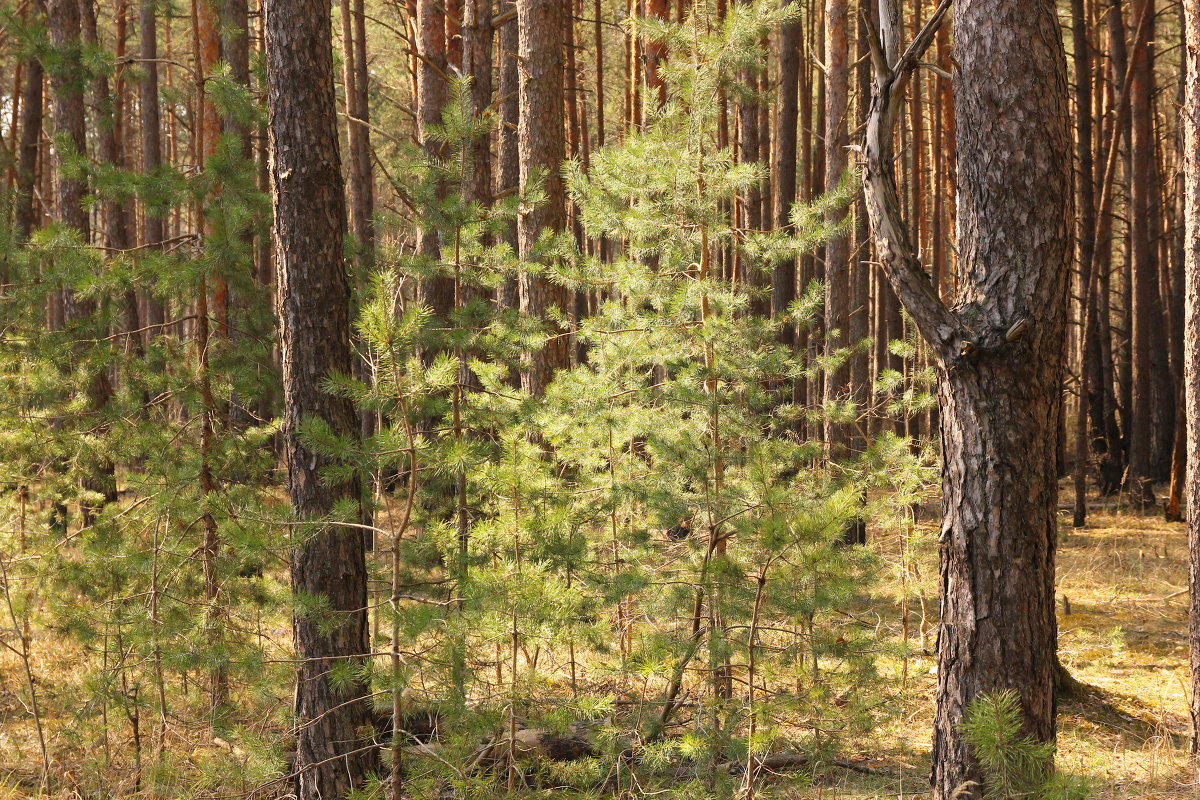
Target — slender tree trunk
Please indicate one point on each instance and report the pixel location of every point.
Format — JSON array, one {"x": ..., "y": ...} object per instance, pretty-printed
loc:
[
  {"x": 839, "y": 436},
  {"x": 999, "y": 356},
  {"x": 862, "y": 262},
  {"x": 454, "y": 40},
  {"x": 1086, "y": 230},
  {"x": 358, "y": 134},
  {"x": 478, "y": 36},
  {"x": 31, "y": 134},
  {"x": 152, "y": 157},
  {"x": 69, "y": 121},
  {"x": 749, "y": 206},
  {"x": 1151, "y": 417},
  {"x": 1175, "y": 293},
  {"x": 783, "y": 164},
  {"x": 1191, "y": 132},
  {"x": 542, "y": 33},
  {"x": 508, "y": 162},
  {"x": 235, "y": 51},
  {"x": 332, "y": 754},
  {"x": 116, "y": 220},
  {"x": 432, "y": 95}
]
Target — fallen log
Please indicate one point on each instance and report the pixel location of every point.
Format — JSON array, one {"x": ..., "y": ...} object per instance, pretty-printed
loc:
[{"x": 530, "y": 743}]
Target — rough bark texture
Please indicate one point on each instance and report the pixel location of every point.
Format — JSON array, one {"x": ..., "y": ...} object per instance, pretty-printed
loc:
[
  {"x": 541, "y": 148},
  {"x": 1191, "y": 131},
  {"x": 332, "y": 755},
  {"x": 999, "y": 356},
  {"x": 1000, "y": 410}
]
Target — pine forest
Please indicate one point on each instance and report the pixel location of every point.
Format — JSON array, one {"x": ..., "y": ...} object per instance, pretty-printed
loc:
[{"x": 600, "y": 399}]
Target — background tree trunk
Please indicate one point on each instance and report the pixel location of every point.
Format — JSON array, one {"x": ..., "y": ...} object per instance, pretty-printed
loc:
[
  {"x": 152, "y": 158},
  {"x": 1151, "y": 415},
  {"x": 839, "y": 436},
  {"x": 432, "y": 95},
  {"x": 508, "y": 162},
  {"x": 541, "y": 149},
  {"x": 31, "y": 134},
  {"x": 783, "y": 163}
]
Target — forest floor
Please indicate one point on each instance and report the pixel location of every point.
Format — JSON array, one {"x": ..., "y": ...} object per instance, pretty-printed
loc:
[
  {"x": 1122, "y": 623},
  {"x": 1122, "y": 620}
]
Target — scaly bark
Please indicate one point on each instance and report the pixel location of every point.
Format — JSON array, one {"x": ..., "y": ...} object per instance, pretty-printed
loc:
[
  {"x": 332, "y": 754},
  {"x": 999, "y": 355}
]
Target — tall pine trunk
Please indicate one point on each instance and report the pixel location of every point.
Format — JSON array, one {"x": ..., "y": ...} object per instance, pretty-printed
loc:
[
  {"x": 433, "y": 93},
  {"x": 508, "y": 162},
  {"x": 332, "y": 754},
  {"x": 999, "y": 355},
  {"x": 1191, "y": 132}
]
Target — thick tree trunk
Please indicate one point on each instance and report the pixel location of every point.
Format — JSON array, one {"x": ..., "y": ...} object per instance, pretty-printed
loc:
[
  {"x": 1191, "y": 166},
  {"x": 332, "y": 755},
  {"x": 999, "y": 356},
  {"x": 541, "y": 32},
  {"x": 1000, "y": 414}
]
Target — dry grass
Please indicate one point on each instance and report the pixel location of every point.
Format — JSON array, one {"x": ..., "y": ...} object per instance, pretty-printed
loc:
[{"x": 1124, "y": 636}]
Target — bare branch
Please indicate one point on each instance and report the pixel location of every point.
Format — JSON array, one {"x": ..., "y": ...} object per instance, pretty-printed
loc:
[{"x": 938, "y": 325}]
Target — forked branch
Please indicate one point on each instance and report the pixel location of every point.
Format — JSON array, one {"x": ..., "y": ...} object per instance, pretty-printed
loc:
[{"x": 940, "y": 327}]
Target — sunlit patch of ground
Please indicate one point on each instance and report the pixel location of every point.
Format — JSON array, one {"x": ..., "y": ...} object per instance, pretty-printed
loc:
[{"x": 1125, "y": 637}]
